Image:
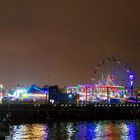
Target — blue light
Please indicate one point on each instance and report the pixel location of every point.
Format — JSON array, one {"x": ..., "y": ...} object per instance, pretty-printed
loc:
[
  {"x": 131, "y": 83},
  {"x": 70, "y": 96},
  {"x": 131, "y": 76}
]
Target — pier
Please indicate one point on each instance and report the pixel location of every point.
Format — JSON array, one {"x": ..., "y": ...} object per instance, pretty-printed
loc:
[{"x": 23, "y": 112}]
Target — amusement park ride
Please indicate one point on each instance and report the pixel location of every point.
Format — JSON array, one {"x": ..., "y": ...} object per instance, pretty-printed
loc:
[{"x": 112, "y": 79}]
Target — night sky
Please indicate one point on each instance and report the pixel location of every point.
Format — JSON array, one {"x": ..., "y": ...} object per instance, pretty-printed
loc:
[{"x": 59, "y": 42}]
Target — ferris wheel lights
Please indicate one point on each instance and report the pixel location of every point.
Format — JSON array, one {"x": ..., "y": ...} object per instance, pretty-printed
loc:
[{"x": 118, "y": 61}]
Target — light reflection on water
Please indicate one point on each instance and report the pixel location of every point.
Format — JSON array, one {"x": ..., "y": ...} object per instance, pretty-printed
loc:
[
  {"x": 29, "y": 132},
  {"x": 92, "y": 130}
]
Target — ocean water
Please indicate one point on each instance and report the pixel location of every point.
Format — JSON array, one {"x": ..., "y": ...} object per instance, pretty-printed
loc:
[{"x": 82, "y": 130}]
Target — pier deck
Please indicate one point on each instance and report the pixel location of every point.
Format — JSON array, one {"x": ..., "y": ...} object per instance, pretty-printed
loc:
[{"x": 71, "y": 111}]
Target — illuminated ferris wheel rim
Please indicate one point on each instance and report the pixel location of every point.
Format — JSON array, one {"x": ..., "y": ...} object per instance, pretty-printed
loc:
[{"x": 115, "y": 61}]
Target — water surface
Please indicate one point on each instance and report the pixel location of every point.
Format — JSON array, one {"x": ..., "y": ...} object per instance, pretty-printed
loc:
[{"x": 86, "y": 130}]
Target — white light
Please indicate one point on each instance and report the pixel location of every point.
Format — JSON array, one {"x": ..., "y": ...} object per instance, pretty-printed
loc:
[
  {"x": 131, "y": 76},
  {"x": 70, "y": 96},
  {"x": 131, "y": 83}
]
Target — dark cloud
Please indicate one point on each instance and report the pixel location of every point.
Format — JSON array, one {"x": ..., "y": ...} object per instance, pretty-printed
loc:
[{"x": 65, "y": 39}]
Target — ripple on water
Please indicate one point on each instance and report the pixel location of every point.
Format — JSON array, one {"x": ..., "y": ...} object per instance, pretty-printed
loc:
[{"x": 90, "y": 130}]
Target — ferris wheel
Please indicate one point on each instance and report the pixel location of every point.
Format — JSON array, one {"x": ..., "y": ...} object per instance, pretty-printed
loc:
[{"x": 113, "y": 71}]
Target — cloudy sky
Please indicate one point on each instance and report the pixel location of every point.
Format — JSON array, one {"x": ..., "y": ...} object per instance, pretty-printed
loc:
[{"x": 59, "y": 42}]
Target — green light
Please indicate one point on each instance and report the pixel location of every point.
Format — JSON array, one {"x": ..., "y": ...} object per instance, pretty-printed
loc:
[{"x": 25, "y": 95}]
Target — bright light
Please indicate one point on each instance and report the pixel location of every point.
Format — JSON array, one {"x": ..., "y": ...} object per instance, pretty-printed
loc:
[
  {"x": 1, "y": 86},
  {"x": 131, "y": 83},
  {"x": 70, "y": 96},
  {"x": 131, "y": 76},
  {"x": 51, "y": 101},
  {"x": 18, "y": 92}
]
